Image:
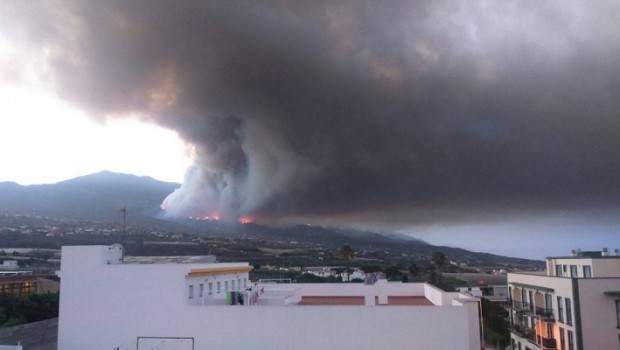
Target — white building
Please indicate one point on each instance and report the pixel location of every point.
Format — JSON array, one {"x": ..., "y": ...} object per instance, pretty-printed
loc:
[
  {"x": 321, "y": 271},
  {"x": 355, "y": 274},
  {"x": 575, "y": 305},
  {"x": 9, "y": 265},
  {"x": 108, "y": 303},
  {"x": 491, "y": 292}
]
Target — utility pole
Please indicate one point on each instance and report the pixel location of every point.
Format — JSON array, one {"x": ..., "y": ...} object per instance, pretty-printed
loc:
[{"x": 124, "y": 211}]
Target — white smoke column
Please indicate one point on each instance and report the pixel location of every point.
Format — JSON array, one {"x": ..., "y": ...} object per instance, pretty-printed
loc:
[{"x": 272, "y": 171}]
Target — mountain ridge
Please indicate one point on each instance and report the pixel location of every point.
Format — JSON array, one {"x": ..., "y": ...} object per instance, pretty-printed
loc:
[{"x": 99, "y": 197}]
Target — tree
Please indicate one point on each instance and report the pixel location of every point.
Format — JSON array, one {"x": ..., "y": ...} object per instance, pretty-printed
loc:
[
  {"x": 347, "y": 253},
  {"x": 495, "y": 320},
  {"x": 414, "y": 271},
  {"x": 439, "y": 260},
  {"x": 436, "y": 276}
]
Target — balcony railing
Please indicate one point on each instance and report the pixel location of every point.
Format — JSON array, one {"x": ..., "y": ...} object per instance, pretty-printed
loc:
[
  {"x": 519, "y": 305},
  {"x": 524, "y": 332},
  {"x": 548, "y": 343},
  {"x": 544, "y": 313}
]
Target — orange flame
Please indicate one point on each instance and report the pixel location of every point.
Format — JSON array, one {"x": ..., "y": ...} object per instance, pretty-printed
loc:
[{"x": 246, "y": 220}]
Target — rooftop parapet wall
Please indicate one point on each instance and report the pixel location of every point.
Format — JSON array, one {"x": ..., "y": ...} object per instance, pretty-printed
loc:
[{"x": 381, "y": 291}]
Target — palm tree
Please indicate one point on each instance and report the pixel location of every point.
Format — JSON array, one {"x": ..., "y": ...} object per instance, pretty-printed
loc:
[
  {"x": 347, "y": 253},
  {"x": 414, "y": 271},
  {"x": 439, "y": 260}
]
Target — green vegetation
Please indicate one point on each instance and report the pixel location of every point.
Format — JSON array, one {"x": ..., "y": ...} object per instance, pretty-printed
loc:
[
  {"x": 18, "y": 309},
  {"x": 495, "y": 321},
  {"x": 310, "y": 278}
]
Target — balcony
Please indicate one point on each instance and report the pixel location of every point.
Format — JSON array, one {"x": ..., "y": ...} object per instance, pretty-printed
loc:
[
  {"x": 548, "y": 343},
  {"x": 519, "y": 305},
  {"x": 545, "y": 314},
  {"x": 524, "y": 332}
]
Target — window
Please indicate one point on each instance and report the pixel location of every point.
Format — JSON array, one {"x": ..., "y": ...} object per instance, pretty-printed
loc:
[
  {"x": 564, "y": 268},
  {"x": 549, "y": 330},
  {"x": 226, "y": 286},
  {"x": 560, "y": 310},
  {"x": 587, "y": 271},
  {"x": 558, "y": 270},
  {"x": 219, "y": 287},
  {"x": 233, "y": 285},
  {"x": 210, "y": 288},
  {"x": 571, "y": 341},
  {"x": 618, "y": 312},
  {"x": 562, "y": 339},
  {"x": 245, "y": 283},
  {"x": 201, "y": 290},
  {"x": 191, "y": 291},
  {"x": 569, "y": 313},
  {"x": 548, "y": 302},
  {"x": 573, "y": 270},
  {"x": 239, "y": 283}
]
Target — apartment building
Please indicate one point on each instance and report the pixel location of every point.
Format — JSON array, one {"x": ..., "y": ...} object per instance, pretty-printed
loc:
[
  {"x": 108, "y": 302},
  {"x": 574, "y": 305}
]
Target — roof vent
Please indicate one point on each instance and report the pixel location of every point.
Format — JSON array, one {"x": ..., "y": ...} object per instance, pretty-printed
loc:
[{"x": 605, "y": 252}]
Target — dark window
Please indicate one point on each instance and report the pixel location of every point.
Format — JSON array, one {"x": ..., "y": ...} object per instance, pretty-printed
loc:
[
  {"x": 618, "y": 312},
  {"x": 549, "y": 330},
  {"x": 558, "y": 270},
  {"x": 560, "y": 310},
  {"x": 571, "y": 341},
  {"x": 562, "y": 339},
  {"x": 587, "y": 271},
  {"x": 569, "y": 313},
  {"x": 573, "y": 270}
]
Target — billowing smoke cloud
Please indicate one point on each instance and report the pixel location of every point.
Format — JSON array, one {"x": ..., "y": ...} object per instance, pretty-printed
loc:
[{"x": 362, "y": 111}]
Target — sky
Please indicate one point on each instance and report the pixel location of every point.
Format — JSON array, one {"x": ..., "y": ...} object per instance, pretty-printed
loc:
[
  {"x": 66, "y": 143},
  {"x": 461, "y": 122}
]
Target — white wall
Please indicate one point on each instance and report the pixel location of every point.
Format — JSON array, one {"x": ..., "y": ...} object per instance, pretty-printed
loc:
[{"x": 108, "y": 306}]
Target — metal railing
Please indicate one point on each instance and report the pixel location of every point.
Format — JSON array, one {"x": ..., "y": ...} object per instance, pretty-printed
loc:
[
  {"x": 548, "y": 343},
  {"x": 524, "y": 332},
  {"x": 519, "y": 305},
  {"x": 544, "y": 313}
]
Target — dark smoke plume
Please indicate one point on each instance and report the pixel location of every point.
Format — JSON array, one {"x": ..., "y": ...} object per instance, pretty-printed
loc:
[{"x": 358, "y": 111}]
